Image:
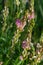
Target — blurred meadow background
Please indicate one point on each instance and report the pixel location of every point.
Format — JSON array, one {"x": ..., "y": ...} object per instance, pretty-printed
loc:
[{"x": 21, "y": 32}]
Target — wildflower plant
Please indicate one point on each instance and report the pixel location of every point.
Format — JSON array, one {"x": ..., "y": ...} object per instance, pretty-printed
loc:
[{"x": 21, "y": 32}]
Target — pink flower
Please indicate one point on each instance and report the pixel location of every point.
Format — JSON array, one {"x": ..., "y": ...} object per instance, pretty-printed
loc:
[
  {"x": 31, "y": 16},
  {"x": 21, "y": 57},
  {"x": 24, "y": 44},
  {"x": 20, "y": 24}
]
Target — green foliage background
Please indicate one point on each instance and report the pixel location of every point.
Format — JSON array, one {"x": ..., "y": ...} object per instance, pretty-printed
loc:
[{"x": 7, "y": 35}]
